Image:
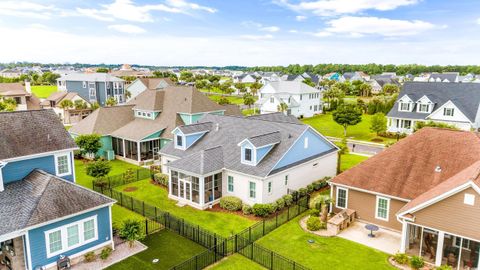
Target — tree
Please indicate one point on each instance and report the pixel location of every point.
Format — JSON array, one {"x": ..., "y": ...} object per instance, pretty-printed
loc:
[
  {"x": 308, "y": 81},
  {"x": 333, "y": 96},
  {"x": 128, "y": 94},
  {"x": 131, "y": 231},
  {"x": 7, "y": 104},
  {"x": 102, "y": 70},
  {"x": 347, "y": 115},
  {"x": 390, "y": 88},
  {"x": 378, "y": 123},
  {"x": 200, "y": 84},
  {"x": 187, "y": 76},
  {"x": 79, "y": 104},
  {"x": 321, "y": 203},
  {"x": 65, "y": 105},
  {"x": 111, "y": 101},
  {"x": 248, "y": 99},
  {"x": 254, "y": 87},
  {"x": 226, "y": 88},
  {"x": 98, "y": 168},
  {"x": 282, "y": 107},
  {"x": 89, "y": 144},
  {"x": 365, "y": 90},
  {"x": 241, "y": 87},
  {"x": 224, "y": 101}
]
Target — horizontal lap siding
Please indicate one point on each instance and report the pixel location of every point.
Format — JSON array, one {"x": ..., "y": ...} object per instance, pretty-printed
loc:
[{"x": 453, "y": 216}]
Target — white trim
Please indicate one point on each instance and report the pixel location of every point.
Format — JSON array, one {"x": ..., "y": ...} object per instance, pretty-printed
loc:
[
  {"x": 73, "y": 167},
  {"x": 433, "y": 229},
  {"x": 111, "y": 229},
  {"x": 2, "y": 164},
  {"x": 39, "y": 155},
  {"x": 228, "y": 184},
  {"x": 69, "y": 164},
  {"x": 249, "y": 190},
  {"x": 28, "y": 251},
  {"x": 370, "y": 192},
  {"x": 378, "y": 198},
  {"x": 64, "y": 236},
  {"x": 346, "y": 198}
]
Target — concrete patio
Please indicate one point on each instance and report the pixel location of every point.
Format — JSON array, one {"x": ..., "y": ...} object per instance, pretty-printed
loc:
[{"x": 385, "y": 240}]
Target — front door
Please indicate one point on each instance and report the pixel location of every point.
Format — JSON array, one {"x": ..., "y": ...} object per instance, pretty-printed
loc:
[{"x": 185, "y": 191}]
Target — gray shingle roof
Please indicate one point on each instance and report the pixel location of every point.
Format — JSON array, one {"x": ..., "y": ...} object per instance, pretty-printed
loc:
[
  {"x": 466, "y": 96},
  {"x": 265, "y": 139},
  {"x": 194, "y": 128},
  {"x": 91, "y": 77},
  {"x": 25, "y": 133},
  {"x": 202, "y": 162},
  {"x": 41, "y": 197},
  {"x": 451, "y": 77},
  {"x": 292, "y": 87},
  {"x": 276, "y": 117}
]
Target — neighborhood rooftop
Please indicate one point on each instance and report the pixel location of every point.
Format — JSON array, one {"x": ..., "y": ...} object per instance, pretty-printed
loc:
[{"x": 89, "y": 77}]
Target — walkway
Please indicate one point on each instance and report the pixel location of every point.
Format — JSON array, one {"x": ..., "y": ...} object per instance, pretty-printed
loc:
[
  {"x": 385, "y": 240},
  {"x": 360, "y": 147}
]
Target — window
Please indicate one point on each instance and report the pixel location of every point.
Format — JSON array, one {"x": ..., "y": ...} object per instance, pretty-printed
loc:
[
  {"x": 230, "y": 183},
  {"x": 301, "y": 97},
  {"x": 423, "y": 108},
  {"x": 448, "y": 111},
  {"x": 55, "y": 241},
  {"x": 286, "y": 179},
  {"x": 72, "y": 235},
  {"x": 382, "y": 210},
  {"x": 341, "y": 198},
  {"x": 405, "y": 106},
  {"x": 305, "y": 143},
  {"x": 92, "y": 93},
  {"x": 62, "y": 164},
  {"x": 252, "y": 193},
  {"x": 179, "y": 140},
  {"x": 269, "y": 187},
  {"x": 465, "y": 243},
  {"x": 84, "y": 84},
  {"x": 469, "y": 199},
  {"x": 88, "y": 230},
  {"x": 248, "y": 154},
  {"x": 272, "y": 100}
]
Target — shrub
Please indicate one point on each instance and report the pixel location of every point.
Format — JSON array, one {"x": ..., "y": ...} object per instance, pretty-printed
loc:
[
  {"x": 231, "y": 203},
  {"x": 274, "y": 207},
  {"x": 288, "y": 199},
  {"x": 262, "y": 210},
  {"x": 401, "y": 258},
  {"x": 90, "y": 256},
  {"x": 99, "y": 168},
  {"x": 392, "y": 135},
  {"x": 247, "y": 209},
  {"x": 302, "y": 192},
  {"x": 131, "y": 231},
  {"x": 310, "y": 188},
  {"x": 313, "y": 223},
  {"x": 280, "y": 203},
  {"x": 106, "y": 251},
  {"x": 161, "y": 179},
  {"x": 129, "y": 175},
  {"x": 294, "y": 195},
  {"x": 314, "y": 212},
  {"x": 416, "y": 262},
  {"x": 443, "y": 267}
]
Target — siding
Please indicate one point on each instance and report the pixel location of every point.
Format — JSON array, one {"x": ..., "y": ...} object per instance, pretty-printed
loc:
[
  {"x": 191, "y": 139},
  {"x": 17, "y": 170},
  {"x": 37, "y": 237},
  {"x": 365, "y": 204},
  {"x": 77, "y": 86},
  {"x": 453, "y": 216},
  {"x": 106, "y": 146}
]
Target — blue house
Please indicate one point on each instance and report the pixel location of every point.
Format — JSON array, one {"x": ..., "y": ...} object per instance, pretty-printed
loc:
[
  {"x": 94, "y": 87},
  {"x": 44, "y": 214}
]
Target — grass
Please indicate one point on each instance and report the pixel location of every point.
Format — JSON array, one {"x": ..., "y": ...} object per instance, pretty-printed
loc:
[
  {"x": 221, "y": 223},
  {"x": 44, "y": 91},
  {"x": 235, "y": 262},
  {"x": 251, "y": 111},
  {"x": 233, "y": 100},
  {"x": 324, "y": 124},
  {"x": 119, "y": 214},
  {"x": 349, "y": 160},
  {"x": 291, "y": 241},
  {"x": 169, "y": 247},
  {"x": 83, "y": 179}
]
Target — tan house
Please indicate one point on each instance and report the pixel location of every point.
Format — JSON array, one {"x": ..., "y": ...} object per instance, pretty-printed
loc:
[
  {"x": 426, "y": 187},
  {"x": 69, "y": 116},
  {"x": 22, "y": 94}
]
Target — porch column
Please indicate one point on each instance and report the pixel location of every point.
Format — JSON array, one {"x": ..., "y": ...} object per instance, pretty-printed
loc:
[
  {"x": 201, "y": 187},
  {"x": 169, "y": 182},
  {"x": 138, "y": 152},
  {"x": 124, "y": 149},
  {"x": 403, "y": 243},
  {"x": 438, "y": 256}
]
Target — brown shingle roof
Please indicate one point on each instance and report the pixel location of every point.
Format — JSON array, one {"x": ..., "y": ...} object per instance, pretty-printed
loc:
[
  {"x": 12, "y": 89},
  {"x": 104, "y": 120},
  {"x": 152, "y": 83},
  {"x": 407, "y": 169}
]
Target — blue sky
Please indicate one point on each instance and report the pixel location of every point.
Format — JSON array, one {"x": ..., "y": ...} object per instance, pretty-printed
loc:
[{"x": 246, "y": 32}]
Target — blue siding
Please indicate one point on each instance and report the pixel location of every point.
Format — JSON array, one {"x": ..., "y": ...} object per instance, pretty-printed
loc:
[
  {"x": 154, "y": 135},
  {"x": 37, "y": 237},
  {"x": 17, "y": 170},
  {"x": 262, "y": 152},
  {"x": 191, "y": 139},
  {"x": 101, "y": 92},
  {"x": 77, "y": 86},
  {"x": 316, "y": 145}
]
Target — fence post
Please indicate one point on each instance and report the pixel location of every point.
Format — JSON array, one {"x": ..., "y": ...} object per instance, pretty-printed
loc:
[
  {"x": 131, "y": 203},
  {"x": 251, "y": 251},
  {"x": 137, "y": 175},
  {"x": 93, "y": 184},
  {"x": 146, "y": 226},
  {"x": 143, "y": 208},
  {"x": 250, "y": 234},
  {"x": 196, "y": 262},
  {"x": 288, "y": 213},
  {"x": 263, "y": 228},
  {"x": 111, "y": 193},
  {"x": 121, "y": 198},
  {"x": 165, "y": 219},
  {"x": 155, "y": 213},
  {"x": 235, "y": 248},
  {"x": 294, "y": 265},
  {"x": 276, "y": 220},
  {"x": 198, "y": 233},
  {"x": 271, "y": 259},
  {"x": 215, "y": 246}
]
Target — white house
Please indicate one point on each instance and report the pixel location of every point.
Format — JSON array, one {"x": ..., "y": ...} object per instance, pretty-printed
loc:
[
  {"x": 456, "y": 104},
  {"x": 142, "y": 84},
  {"x": 257, "y": 159},
  {"x": 302, "y": 100}
]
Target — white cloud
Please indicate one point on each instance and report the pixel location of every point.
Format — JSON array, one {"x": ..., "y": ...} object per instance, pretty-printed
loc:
[
  {"x": 26, "y": 9},
  {"x": 478, "y": 21},
  {"x": 182, "y": 4},
  {"x": 270, "y": 29},
  {"x": 322, "y": 34},
  {"x": 127, "y": 28},
  {"x": 336, "y": 7},
  {"x": 359, "y": 26},
  {"x": 260, "y": 27},
  {"x": 257, "y": 37},
  {"x": 300, "y": 18},
  {"x": 293, "y": 31}
]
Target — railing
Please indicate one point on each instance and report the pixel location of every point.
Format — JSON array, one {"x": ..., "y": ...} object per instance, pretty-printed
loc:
[
  {"x": 127, "y": 177},
  {"x": 269, "y": 259}
]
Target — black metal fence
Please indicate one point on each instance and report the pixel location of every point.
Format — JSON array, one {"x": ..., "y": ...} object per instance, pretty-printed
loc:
[
  {"x": 269, "y": 259},
  {"x": 129, "y": 176}
]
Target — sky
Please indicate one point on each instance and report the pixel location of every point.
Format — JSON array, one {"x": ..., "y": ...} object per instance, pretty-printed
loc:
[{"x": 241, "y": 32}]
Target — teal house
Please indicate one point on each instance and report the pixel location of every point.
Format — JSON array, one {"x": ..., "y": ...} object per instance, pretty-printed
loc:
[{"x": 136, "y": 131}]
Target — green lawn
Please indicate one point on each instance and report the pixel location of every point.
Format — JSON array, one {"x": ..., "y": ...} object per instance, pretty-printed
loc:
[
  {"x": 43, "y": 91},
  {"x": 83, "y": 179},
  {"x": 233, "y": 100},
  {"x": 350, "y": 160},
  {"x": 251, "y": 111},
  {"x": 221, "y": 223},
  {"x": 169, "y": 247},
  {"x": 291, "y": 241},
  {"x": 324, "y": 124},
  {"x": 119, "y": 214},
  {"x": 236, "y": 262}
]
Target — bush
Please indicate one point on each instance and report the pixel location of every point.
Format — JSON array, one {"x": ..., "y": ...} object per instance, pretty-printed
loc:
[
  {"x": 274, "y": 207},
  {"x": 247, "y": 209},
  {"x": 416, "y": 262},
  {"x": 106, "y": 251},
  {"x": 99, "y": 168},
  {"x": 231, "y": 203},
  {"x": 443, "y": 267},
  {"x": 401, "y": 258},
  {"x": 314, "y": 223},
  {"x": 294, "y": 195},
  {"x": 262, "y": 210},
  {"x": 288, "y": 199},
  {"x": 280, "y": 203},
  {"x": 161, "y": 179},
  {"x": 131, "y": 231},
  {"x": 302, "y": 192},
  {"x": 392, "y": 135},
  {"x": 90, "y": 256},
  {"x": 314, "y": 212},
  {"x": 310, "y": 188}
]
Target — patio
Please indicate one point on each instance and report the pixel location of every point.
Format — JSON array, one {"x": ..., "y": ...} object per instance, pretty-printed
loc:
[{"x": 385, "y": 240}]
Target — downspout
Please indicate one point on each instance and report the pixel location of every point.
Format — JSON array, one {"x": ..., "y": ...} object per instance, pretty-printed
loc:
[{"x": 2, "y": 165}]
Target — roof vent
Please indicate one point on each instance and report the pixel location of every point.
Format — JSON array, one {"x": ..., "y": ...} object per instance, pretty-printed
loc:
[
  {"x": 217, "y": 126},
  {"x": 289, "y": 135},
  {"x": 438, "y": 169}
]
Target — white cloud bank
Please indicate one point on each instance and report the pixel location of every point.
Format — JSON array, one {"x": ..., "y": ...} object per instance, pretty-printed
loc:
[
  {"x": 127, "y": 28},
  {"x": 26, "y": 9}
]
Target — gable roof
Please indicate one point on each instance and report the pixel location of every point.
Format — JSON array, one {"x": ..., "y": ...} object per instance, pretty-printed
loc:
[
  {"x": 32, "y": 132},
  {"x": 41, "y": 197},
  {"x": 12, "y": 89},
  {"x": 276, "y": 117},
  {"x": 202, "y": 162},
  {"x": 466, "y": 96},
  {"x": 450, "y": 76},
  {"x": 407, "y": 169},
  {"x": 292, "y": 87},
  {"x": 265, "y": 139},
  {"x": 195, "y": 128},
  {"x": 154, "y": 83},
  {"x": 89, "y": 77},
  {"x": 104, "y": 120}
]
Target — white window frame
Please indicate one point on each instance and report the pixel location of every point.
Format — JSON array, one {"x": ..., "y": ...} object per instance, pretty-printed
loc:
[
  {"x": 177, "y": 141},
  {"x": 463, "y": 241},
  {"x": 250, "y": 190},
  {"x": 445, "y": 110},
  {"x": 84, "y": 84},
  {"x": 469, "y": 199},
  {"x": 69, "y": 161},
  {"x": 245, "y": 154},
  {"x": 376, "y": 208},
  {"x": 401, "y": 109},
  {"x": 286, "y": 180},
  {"x": 232, "y": 184},
  {"x": 305, "y": 143},
  {"x": 64, "y": 236},
  {"x": 419, "y": 108},
  {"x": 270, "y": 187},
  {"x": 346, "y": 198}
]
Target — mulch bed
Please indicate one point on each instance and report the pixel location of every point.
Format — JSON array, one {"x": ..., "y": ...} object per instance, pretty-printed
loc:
[
  {"x": 130, "y": 189},
  {"x": 217, "y": 208}
]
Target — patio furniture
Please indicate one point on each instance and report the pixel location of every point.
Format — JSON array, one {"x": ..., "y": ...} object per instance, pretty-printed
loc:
[{"x": 372, "y": 228}]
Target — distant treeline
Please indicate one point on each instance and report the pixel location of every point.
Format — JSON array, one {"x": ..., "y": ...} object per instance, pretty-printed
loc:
[{"x": 371, "y": 69}]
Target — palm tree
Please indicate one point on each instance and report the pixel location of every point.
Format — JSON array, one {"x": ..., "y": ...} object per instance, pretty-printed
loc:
[
  {"x": 65, "y": 105},
  {"x": 111, "y": 102},
  {"x": 322, "y": 202},
  {"x": 282, "y": 107}
]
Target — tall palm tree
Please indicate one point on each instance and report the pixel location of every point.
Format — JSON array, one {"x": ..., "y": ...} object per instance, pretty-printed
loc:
[
  {"x": 282, "y": 107},
  {"x": 65, "y": 105}
]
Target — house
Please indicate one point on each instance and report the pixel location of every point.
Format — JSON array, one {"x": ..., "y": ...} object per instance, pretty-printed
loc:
[
  {"x": 22, "y": 94},
  {"x": 293, "y": 77},
  {"x": 426, "y": 187},
  {"x": 334, "y": 76},
  {"x": 94, "y": 87},
  {"x": 244, "y": 78},
  {"x": 134, "y": 132},
  {"x": 69, "y": 116},
  {"x": 302, "y": 100},
  {"x": 356, "y": 76},
  {"x": 10, "y": 73},
  {"x": 256, "y": 159},
  {"x": 142, "y": 84},
  {"x": 455, "y": 104},
  {"x": 127, "y": 71},
  {"x": 377, "y": 82},
  {"x": 45, "y": 215},
  {"x": 444, "y": 77}
]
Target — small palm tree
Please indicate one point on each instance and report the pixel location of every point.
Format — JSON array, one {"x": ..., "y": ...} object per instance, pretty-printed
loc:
[
  {"x": 65, "y": 105},
  {"x": 321, "y": 202},
  {"x": 282, "y": 107},
  {"x": 111, "y": 102}
]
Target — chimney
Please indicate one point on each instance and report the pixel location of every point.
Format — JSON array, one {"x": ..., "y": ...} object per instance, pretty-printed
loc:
[{"x": 28, "y": 87}]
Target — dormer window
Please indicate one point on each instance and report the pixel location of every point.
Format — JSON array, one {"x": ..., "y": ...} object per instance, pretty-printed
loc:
[
  {"x": 424, "y": 108},
  {"x": 248, "y": 154},
  {"x": 405, "y": 106},
  {"x": 448, "y": 111},
  {"x": 179, "y": 141}
]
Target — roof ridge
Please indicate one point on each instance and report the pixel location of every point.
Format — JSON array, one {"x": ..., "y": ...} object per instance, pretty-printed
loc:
[
  {"x": 41, "y": 195},
  {"x": 271, "y": 132}
]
